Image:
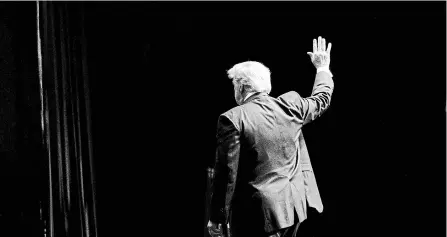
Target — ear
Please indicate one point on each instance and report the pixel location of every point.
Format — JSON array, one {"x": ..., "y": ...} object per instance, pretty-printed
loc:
[{"x": 242, "y": 89}]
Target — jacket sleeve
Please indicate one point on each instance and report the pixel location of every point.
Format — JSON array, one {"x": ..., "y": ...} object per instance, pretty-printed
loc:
[
  {"x": 313, "y": 106},
  {"x": 225, "y": 170}
]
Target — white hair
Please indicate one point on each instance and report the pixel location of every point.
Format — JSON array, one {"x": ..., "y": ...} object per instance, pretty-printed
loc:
[{"x": 253, "y": 75}]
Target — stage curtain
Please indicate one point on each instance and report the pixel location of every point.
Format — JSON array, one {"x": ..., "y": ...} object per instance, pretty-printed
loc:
[{"x": 69, "y": 203}]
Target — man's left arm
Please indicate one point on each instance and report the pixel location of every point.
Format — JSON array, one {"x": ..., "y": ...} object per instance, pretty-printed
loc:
[{"x": 225, "y": 172}]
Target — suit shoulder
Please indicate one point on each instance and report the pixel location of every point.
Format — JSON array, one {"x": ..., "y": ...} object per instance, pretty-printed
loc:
[
  {"x": 233, "y": 115},
  {"x": 233, "y": 112},
  {"x": 291, "y": 95}
]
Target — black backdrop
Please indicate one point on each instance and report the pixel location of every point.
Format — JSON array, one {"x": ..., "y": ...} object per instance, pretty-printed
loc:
[
  {"x": 158, "y": 81},
  {"x": 20, "y": 128}
]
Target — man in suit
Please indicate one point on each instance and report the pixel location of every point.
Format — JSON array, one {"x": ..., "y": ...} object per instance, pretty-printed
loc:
[{"x": 262, "y": 172}]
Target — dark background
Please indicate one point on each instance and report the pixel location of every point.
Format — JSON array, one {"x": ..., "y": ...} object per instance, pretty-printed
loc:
[
  {"x": 159, "y": 83},
  {"x": 158, "y": 79},
  {"x": 20, "y": 128}
]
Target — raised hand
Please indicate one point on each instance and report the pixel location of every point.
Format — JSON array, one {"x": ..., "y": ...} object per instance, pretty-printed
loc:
[{"x": 320, "y": 57}]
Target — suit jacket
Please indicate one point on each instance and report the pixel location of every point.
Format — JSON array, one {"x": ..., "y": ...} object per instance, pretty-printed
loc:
[{"x": 262, "y": 172}]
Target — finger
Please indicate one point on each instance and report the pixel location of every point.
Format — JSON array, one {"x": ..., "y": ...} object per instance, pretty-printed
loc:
[
  {"x": 319, "y": 43},
  {"x": 323, "y": 44},
  {"x": 329, "y": 48},
  {"x": 315, "y": 46}
]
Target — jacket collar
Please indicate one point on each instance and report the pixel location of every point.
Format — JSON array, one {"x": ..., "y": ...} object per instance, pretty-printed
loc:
[{"x": 254, "y": 96}]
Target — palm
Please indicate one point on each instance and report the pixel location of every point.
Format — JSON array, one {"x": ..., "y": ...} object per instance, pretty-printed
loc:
[{"x": 320, "y": 56}]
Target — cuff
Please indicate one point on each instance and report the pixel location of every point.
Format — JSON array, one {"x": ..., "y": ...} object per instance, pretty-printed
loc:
[{"x": 324, "y": 69}]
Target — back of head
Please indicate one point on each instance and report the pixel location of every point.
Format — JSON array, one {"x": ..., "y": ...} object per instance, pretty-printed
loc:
[{"x": 252, "y": 74}]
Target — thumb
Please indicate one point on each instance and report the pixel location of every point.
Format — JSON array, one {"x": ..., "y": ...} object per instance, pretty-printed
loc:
[{"x": 310, "y": 54}]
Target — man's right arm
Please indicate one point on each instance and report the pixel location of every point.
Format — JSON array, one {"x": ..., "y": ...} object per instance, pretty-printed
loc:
[{"x": 313, "y": 106}]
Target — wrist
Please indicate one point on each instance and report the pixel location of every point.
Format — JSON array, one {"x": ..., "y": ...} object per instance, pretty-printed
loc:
[{"x": 324, "y": 69}]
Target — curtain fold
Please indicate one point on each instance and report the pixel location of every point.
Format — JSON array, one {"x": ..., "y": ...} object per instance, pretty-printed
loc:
[{"x": 69, "y": 203}]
